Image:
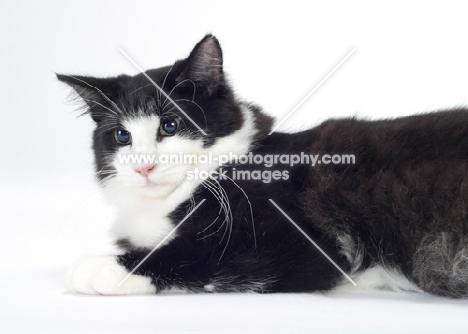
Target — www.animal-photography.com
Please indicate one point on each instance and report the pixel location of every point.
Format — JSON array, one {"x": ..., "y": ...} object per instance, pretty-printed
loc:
[{"x": 248, "y": 166}]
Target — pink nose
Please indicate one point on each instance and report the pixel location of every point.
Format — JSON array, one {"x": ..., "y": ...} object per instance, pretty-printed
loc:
[{"x": 145, "y": 170}]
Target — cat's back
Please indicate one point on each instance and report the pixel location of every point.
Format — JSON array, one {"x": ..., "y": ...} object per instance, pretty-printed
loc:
[
  {"x": 439, "y": 135},
  {"x": 404, "y": 199}
]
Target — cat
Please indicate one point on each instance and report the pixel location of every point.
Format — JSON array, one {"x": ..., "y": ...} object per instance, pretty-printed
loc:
[{"x": 392, "y": 217}]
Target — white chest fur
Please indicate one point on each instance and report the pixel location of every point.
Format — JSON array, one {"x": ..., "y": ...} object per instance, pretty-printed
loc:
[{"x": 145, "y": 223}]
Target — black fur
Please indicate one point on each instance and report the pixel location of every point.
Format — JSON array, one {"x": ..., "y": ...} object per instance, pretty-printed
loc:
[{"x": 403, "y": 203}]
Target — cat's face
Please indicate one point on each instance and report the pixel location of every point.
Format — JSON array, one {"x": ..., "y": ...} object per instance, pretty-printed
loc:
[{"x": 135, "y": 119}]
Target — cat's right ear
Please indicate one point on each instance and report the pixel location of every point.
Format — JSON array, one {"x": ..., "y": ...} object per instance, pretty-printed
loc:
[
  {"x": 204, "y": 65},
  {"x": 94, "y": 92}
]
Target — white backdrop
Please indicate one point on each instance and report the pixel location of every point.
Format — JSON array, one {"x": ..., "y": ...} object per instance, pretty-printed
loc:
[{"x": 410, "y": 57}]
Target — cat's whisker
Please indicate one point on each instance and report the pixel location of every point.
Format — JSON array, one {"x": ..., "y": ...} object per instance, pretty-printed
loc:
[
  {"x": 104, "y": 125},
  {"x": 113, "y": 113},
  {"x": 209, "y": 186},
  {"x": 197, "y": 105},
  {"x": 166, "y": 112},
  {"x": 229, "y": 218},
  {"x": 142, "y": 87},
  {"x": 172, "y": 90},
  {"x": 218, "y": 195},
  {"x": 162, "y": 88},
  {"x": 192, "y": 203},
  {"x": 250, "y": 206}
]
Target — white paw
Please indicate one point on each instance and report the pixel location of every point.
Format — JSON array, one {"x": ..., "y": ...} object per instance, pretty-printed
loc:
[{"x": 101, "y": 276}]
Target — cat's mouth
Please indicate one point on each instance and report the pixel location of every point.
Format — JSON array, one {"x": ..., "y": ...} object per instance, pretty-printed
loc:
[
  {"x": 158, "y": 189},
  {"x": 155, "y": 185}
]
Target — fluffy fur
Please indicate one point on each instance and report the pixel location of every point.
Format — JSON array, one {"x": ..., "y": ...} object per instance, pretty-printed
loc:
[{"x": 396, "y": 219}]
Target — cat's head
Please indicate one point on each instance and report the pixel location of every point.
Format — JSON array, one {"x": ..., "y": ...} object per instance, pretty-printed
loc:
[{"x": 196, "y": 113}]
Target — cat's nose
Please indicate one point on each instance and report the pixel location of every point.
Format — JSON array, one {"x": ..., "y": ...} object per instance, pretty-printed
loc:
[{"x": 145, "y": 170}]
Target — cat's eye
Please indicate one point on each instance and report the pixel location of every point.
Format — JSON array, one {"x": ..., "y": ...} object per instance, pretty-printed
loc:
[
  {"x": 169, "y": 126},
  {"x": 122, "y": 137}
]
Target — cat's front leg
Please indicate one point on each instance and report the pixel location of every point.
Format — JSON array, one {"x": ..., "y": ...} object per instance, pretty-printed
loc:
[{"x": 102, "y": 275}]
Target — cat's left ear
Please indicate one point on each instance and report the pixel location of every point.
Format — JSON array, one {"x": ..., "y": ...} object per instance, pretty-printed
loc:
[
  {"x": 204, "y": 65},
  {"x": 95, "y": 92},
  {"x": 90, "y": 89}
]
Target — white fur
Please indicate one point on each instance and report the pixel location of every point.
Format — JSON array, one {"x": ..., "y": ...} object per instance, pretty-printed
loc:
[
  {"x": 101, "y": 276},
  {"x": 238, "y": 142},
  {"x": 174, "y": 290},
  {"x": 209, "y": 288},
  {"x": 378, "y": 278},
  {"x": 224, "y": 283},
  {"x": 143, "y": 211},
  {"x": 352, "y": 250}
]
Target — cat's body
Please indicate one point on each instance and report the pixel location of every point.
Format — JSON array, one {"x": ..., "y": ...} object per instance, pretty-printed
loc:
[{"x": 395, "y": 218}]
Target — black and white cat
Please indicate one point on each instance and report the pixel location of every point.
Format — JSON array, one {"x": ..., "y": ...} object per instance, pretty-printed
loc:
[{"x": 396, "y": 218}]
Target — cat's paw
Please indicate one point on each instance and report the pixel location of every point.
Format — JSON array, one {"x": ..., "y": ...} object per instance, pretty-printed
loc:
[{"x": 101, "y": 276}]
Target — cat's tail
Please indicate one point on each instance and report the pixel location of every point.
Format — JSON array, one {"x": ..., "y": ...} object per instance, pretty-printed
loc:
[{"x": 440, "y": 264}]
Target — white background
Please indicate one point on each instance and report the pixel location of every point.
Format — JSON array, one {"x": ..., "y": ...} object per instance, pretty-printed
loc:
[{"x": 410, "y": 57}]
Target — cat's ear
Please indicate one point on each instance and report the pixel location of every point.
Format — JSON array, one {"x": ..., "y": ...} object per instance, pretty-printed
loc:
[
  {"x": 204, "y": 65},
  {"x": 93, "y": 91}
]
